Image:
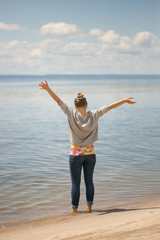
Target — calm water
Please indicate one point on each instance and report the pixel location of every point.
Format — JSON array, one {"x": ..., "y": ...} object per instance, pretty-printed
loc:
[{"x": 34, "y": 145}]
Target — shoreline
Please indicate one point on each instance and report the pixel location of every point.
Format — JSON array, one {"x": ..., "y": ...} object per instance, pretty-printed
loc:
[
  {"x": 131, "y": 201},
  {"x": 140, "y": 221},
  {"x": 97, "y": 206}
]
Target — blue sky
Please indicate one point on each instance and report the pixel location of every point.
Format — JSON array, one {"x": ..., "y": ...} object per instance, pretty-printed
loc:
[{"x": 79, "y": 37}]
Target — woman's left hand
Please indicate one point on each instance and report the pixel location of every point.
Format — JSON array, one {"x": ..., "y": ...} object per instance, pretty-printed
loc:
[{"x": 128, "y": 100}]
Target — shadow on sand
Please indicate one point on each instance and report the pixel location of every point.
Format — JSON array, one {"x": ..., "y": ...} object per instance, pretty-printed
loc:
[{"x": 114, "y": 210}]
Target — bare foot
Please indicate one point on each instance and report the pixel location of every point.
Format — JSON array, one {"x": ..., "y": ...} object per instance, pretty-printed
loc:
[
  {"x": 74, "y": 210},
  {"x": 89, "y": 208}
]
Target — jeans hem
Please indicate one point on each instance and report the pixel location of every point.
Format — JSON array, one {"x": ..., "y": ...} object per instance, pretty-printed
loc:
[{"x": 73, "y": 206}]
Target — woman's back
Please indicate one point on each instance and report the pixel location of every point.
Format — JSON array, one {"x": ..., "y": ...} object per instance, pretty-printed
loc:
[{"x": 83, "y": 131}]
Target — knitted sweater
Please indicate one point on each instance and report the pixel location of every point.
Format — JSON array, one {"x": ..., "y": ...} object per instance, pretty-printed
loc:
[{"x": 83, "y": 131}]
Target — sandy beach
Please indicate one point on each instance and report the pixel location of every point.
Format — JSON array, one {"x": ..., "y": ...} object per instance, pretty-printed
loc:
[{"x": 139, "y": 222}]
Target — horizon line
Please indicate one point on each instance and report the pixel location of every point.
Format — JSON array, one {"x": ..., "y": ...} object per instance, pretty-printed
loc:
[{"x": 85, "y": 74}]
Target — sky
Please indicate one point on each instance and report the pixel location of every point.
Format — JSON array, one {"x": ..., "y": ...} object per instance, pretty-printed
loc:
[{"x": 79, "y": 37}]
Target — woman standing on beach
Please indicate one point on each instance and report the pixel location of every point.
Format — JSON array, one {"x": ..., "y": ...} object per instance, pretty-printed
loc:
[{"x": 83, "y": 132}]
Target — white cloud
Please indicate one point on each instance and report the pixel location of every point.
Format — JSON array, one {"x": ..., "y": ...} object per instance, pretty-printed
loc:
[
  {"x": 79, "y": 49},
  {"x": 95, "y": 32},
  {"x": 145, "y": 39},
  {"x": 109, "y": 37},
  {"x": 142, "y": 41},
  {"x": 125, "y": 43},
  {"x": 59, "y": 29},
  {"x": 11, "y": 27},
  {"x": 36, "y": 52},
  {"x": 113, "y": 53}
]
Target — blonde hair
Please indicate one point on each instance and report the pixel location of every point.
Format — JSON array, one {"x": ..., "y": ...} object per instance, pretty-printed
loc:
[{"x": 80, "y": 100}]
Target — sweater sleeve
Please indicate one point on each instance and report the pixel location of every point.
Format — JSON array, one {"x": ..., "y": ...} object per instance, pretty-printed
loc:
[
  {"x": 101, "y": 111},
  {"x": 67, "y": 110}
]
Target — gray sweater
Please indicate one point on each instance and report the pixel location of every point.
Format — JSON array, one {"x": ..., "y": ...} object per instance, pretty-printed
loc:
[{"x": 83, "y": 131}]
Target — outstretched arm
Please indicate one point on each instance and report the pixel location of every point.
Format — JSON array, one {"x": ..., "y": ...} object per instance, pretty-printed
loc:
[
  {"x": 51, "y": 93},
  {"x": 117, "y": 104}
]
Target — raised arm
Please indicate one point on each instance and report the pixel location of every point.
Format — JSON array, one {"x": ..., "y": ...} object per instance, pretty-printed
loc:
[
  {"x": 117, "y": 104},
  {"x": 51, "y": 93}
]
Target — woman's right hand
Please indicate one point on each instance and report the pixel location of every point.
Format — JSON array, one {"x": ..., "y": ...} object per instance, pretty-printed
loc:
[{"x": 44, "y": 85}]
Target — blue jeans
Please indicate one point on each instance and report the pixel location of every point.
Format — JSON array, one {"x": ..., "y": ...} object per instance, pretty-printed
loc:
[{"x": 76, "y": 164}]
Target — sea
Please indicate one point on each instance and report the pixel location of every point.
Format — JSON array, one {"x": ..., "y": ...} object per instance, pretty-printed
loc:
[{"x": 34, "y": 144}]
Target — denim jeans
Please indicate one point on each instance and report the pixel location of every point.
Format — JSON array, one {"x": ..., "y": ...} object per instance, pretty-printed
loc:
[{"x": 76, "y": 164}]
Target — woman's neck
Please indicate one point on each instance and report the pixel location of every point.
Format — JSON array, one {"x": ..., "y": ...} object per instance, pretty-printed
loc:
[{"x": 82, "y": 111}]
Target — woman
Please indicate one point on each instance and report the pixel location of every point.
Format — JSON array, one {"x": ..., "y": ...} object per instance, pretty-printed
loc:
[{"x": 83, "y": 132}]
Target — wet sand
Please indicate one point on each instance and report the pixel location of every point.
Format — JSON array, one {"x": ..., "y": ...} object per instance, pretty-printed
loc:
[{"x": 139, "y": 222}]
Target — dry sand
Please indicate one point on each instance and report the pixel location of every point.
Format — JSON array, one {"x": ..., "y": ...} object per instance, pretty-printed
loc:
[{"x": 140, "y": 222}]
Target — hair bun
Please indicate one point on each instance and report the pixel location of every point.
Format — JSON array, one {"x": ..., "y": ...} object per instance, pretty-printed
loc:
[
  {"x": 80, "y": 95},
  {"x": 80, "y": 100}
]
